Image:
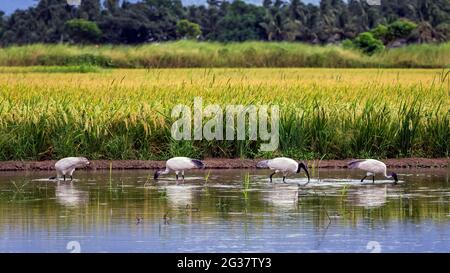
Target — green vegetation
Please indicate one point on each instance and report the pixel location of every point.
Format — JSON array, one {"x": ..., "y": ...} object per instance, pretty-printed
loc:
[
  {"x": 83, "y": 31},
  {"x": 399, "y": 29},
  {"x": 188, "y": 29},
  {"x": 246, "y": 186},
  {"x": 52, "y": 69},
  {"x": 126, "y": 114},
  {"x": 372, "y": 42},
  {"x": 368, "y": 43},
  {"x": 144, "y": 21},
  {"x": 205, "y": 54}
]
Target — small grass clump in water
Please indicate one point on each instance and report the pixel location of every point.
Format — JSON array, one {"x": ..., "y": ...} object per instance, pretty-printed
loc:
[
  {"x": 246, "y": 186},
  {"x": 207, "y": 176},
  {"x": 126, "y": 114}
]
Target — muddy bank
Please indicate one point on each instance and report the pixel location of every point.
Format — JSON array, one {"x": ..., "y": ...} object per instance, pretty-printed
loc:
[{"x": 218, "y": 164}]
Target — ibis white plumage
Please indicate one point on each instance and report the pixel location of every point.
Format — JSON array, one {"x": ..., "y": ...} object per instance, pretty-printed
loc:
[
  {"x": 179, "y": 165},
  {"x": 284, "y": 165},
  {"x": 372, "y": 167},
  {"x": 66, "y": 166}
]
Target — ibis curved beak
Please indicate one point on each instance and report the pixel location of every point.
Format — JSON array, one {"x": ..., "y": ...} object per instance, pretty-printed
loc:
[
  {"x": 307, "y": 174},
  {"x": 303, "y": 166}
]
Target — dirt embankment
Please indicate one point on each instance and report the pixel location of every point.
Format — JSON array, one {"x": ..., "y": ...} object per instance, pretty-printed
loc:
[{"x": 218, "y": 164}]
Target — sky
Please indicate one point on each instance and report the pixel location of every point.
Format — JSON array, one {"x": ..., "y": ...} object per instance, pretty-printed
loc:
[{"x": 9, "y": 6}]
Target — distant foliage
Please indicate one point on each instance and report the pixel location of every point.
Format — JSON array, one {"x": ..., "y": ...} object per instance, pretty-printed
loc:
[
  {"x": 83, "y": 31},
  {"x": 401, "y": 29},
  {"x": 368, "y": 43},
  {"x": 444, "y": 29},
  {"x": 187, "y": 53},
  {"x": 331, "y": 21},
  {"x": 381, "y": 32},
  {"x": 375, "y": 40},
  {"x": 189, "y": 30},
  {"x": 2, "y": 23}
]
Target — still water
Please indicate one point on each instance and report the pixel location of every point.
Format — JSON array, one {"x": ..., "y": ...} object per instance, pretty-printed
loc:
[{"x": 229, "y": 211}]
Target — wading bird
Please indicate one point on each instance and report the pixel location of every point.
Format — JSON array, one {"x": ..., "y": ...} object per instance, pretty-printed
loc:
[
  {"x": 372, "y": 167},
  {"x": 66, "y": 166},
  {"x": 180, "y": 164},
  {"x": 284, "y": 165}
]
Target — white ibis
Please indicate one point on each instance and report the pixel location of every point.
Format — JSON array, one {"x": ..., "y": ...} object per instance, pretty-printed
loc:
[
  {"x": 372, "y": 167},
  {"x": 180, "y": 164},
  {"x": 284, "y": 165},
  {"x": 66, "y": 166}
]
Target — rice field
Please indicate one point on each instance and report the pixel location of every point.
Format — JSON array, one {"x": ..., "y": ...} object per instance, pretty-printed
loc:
[{"x": 53, "y": 112}]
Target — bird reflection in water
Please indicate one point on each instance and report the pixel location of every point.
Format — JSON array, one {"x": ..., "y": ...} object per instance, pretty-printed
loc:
[
  {"x": 369, "y": 197},
  {"x": 67, "y": 195},
  {"x": 285, "y": 196},
  {"x": 179, "y": 196}
]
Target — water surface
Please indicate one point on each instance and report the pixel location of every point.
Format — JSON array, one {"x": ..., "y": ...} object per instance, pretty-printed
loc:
[{"x": 126, "y": 211}]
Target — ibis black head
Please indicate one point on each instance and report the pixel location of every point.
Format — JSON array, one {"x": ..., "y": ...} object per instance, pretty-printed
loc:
[
  {"x": 304, "y": 167},
  {"x": 394, "y": 175},
  {"x": 156, "y": 175}
]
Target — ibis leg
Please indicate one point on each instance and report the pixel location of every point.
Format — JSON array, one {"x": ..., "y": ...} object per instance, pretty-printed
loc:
[
  {"x": 373, "y": 179},
  {"x": 182, "y": 175},
  {"x": 71, "y": 178},
  {"x": 64, "y": 177},
  {"x": 362, "y": 180},
  {"x": 271, "y": 177},
  {"x": 284, "y": 179},
  {"x": 176, "y": 175}
]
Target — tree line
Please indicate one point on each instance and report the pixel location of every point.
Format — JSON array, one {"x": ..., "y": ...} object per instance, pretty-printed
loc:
[{"x": 122, "y": 22}]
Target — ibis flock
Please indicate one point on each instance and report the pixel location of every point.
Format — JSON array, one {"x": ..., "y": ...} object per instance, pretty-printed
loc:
[{"x": 66, "y": 167}]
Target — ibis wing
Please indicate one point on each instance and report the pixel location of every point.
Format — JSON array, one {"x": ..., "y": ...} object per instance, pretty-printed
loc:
[
  {"x": 354, "y": 164},
  {"x": 67, "y": 163},
  {"x": 262, "y": 164},
  {"x": 198, "y": 163}
]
